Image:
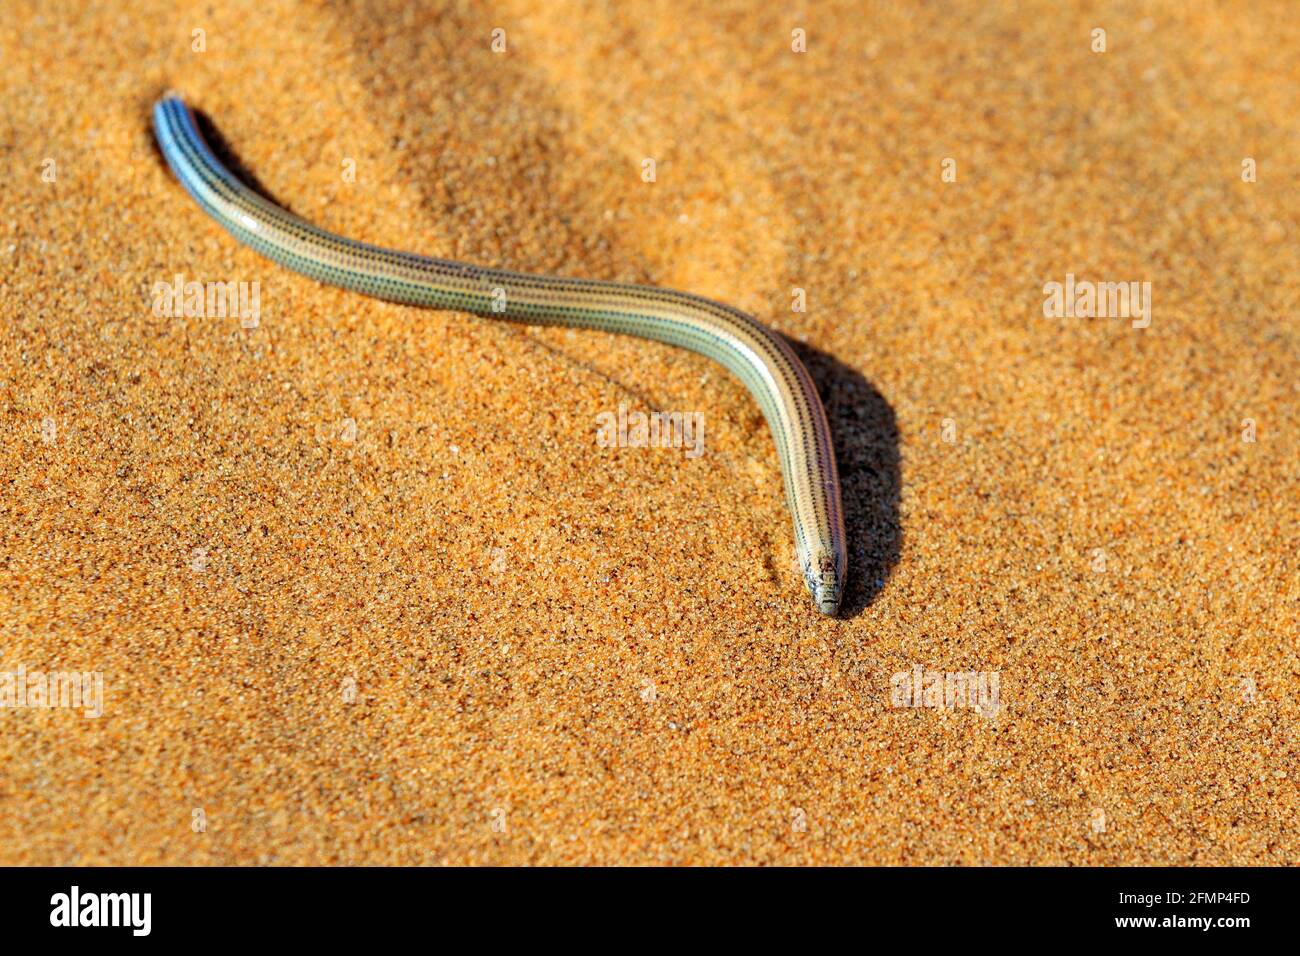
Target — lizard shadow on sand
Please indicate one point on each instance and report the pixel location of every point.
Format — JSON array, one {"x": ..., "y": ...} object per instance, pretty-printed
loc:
[
  {"x": 222, "y": 149},
  {"x": 865, "y": 434}
]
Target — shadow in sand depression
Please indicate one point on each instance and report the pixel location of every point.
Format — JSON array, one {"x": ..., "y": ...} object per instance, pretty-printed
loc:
[
  {"x": 866, "y": 449},
  {"x": 222, "y": 149}
]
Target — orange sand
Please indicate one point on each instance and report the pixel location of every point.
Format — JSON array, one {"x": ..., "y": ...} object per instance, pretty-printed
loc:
[{"x": 568, "y": 654}]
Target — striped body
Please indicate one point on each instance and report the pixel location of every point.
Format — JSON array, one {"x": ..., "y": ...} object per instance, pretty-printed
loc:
[{"x": 762, "y": 360}]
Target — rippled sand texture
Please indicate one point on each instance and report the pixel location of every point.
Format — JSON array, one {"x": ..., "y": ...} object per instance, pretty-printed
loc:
[{"x": 362, "y": 585}]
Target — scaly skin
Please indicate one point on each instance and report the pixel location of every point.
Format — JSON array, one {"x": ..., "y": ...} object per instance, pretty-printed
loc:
[{"x": 761, "y": 359}]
